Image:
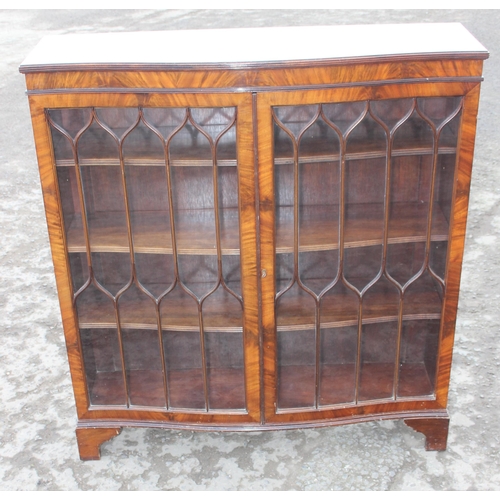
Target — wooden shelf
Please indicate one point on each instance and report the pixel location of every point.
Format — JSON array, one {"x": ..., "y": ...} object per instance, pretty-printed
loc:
[
  {"x": 295, "y": 309},
  {"x": 186, "y": 389},
  {"x": 317, "y": 153},
  {"x": 195, "y": 234},
  {"x": 149, "y": 162},
  {"x": 320, "y": 151},
  {"x": 363, "y": 226},
  {"x": 338, "y": 383},
  {"x": 179, "y": 312},
  {"x": 149, "y": 151}
]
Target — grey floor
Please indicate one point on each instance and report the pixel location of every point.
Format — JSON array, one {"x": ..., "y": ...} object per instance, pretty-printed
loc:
[{"x": 37, "y": 442}]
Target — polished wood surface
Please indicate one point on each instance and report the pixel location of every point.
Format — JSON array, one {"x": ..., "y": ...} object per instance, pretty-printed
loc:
[
  {"x": 302, "y": 303},
  {"x": 319, "y": 226},
  {"x": 90, "y": 440},
  {"x": 152, "y": 234},
  {"x": 337, "y": 384},
  {"x": 195, "y": 237},
  {"x": 253, "y": 46},
  {"x": 178, "y": 312},
  {"x": 377, "y": 369},
  {"x": 295, "y": 309},
  {"x": 144, "y": 82},
  {"x": 246, "y": 321},
  {"x": 457, "y": 239},
  {"x": 435, "y": 431},
  {"x": 186, "y": 395}
]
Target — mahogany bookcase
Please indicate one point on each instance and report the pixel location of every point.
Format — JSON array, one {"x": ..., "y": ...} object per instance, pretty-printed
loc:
[{"x": 257, "y": 228}]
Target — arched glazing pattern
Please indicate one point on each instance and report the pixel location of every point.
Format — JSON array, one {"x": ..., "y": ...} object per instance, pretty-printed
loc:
[
  {"x": 150, "y": 206},
  {"x": 363, "y": 203}
]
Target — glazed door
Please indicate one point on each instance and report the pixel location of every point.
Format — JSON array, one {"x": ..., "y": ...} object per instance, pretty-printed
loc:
[
  {"x": 158, "y": 210},
  {"x": 355, "y": 247}
]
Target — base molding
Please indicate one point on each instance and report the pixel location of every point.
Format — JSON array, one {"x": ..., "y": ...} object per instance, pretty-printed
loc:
[{"x": 433, "y": 424}]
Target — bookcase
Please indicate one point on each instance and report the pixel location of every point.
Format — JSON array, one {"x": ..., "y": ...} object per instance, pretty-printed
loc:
[{"x": 264, "y": 233}]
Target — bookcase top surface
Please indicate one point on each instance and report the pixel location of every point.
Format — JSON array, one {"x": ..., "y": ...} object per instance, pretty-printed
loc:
[{"x": 251, "y": 47}]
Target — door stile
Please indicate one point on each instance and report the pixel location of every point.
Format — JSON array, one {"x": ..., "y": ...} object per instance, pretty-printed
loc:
[{"x": 460, "y": 204}]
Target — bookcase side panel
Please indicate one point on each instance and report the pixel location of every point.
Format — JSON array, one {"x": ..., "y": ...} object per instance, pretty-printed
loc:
[{"x": 52, "y": 203}]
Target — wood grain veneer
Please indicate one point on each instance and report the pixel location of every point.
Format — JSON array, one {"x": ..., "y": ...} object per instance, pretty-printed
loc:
[{"x": 294, "y": 273}]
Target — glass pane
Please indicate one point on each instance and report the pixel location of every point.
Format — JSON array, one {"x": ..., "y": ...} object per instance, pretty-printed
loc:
[
  {"x": 155, "y": 272},
  {"x": 378, "y": 357},
  {"x": 228, "y": 209},
  {"x": 409, "y": 197},
  {"x": 414, "y": 134},
  {"x": 221, "y": 309},
  {"x": 418, "y": 358},
  {"x": 79, "y": 270},
  {"x": 339, "y": 306},
  {"x": 283, "y": 271},
  {"x": 72, "y": 213},
  {"x": 296, "y": 369},
  {"x": 405, "y": 260},
  {"x": 231, "y": 271},
  {"x": 392, "y": 112},
  {"x": 194, "y": 214},
  {"x": 226, "y": 373},
  {"x": 389, "y": 240},
  {"x": 296, "y": 307},
  {"x": 284, "y": 202},
  {"x": 344, "y": 115},
  {"x": 144, "y": 367},
  {"x": 319, "y": 141},
  {"x": 119, "y": 121},
  {"x": 166, "y": 121},
  {"x": 367, "y": 136},
  {"x": 226, "y": 147},
  {"x": 132, "y": 171},
  {"x": 178, "y": 308},
  {"x": 198, "y": 273},
  {"x": 112, "y": 270},
  {"x": 441, "y": 213},
  {"x": 317, "y": 270},
  {"x": 105, "y": 207},
  {"x": 364, "y": 206},
  {"x": 362, "y": 265},
  {"x": 190, "y": 147},
  {"x": 338, "y": 365},
  {"x": 137, "y": 309},
  {"x": 184, "y": 369},
  {"x": 381, "y": 301},
  {"x": 423, "y": 297},
  {"x": 295, "y": 119},
  {"x": 103, "y": 369},
  {"x": 439, "y": 109},
  {"x": 94, "y": 307},
  {"x": 143, "y": 145},
  {"x": 72, "y": 122}
]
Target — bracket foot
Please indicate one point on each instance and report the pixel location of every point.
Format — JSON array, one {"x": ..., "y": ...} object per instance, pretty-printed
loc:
[
  {"x": 434, "y": 429},
  {"x": 90, "y": 439}
]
